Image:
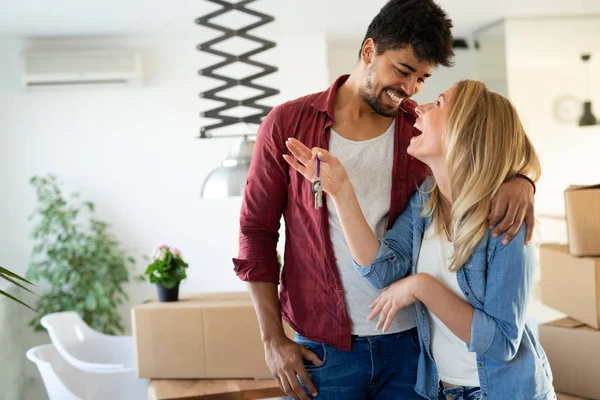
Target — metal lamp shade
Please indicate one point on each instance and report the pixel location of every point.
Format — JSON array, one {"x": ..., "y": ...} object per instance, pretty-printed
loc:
[
  {"x": 229, "y": 179},
  {"x": 587, "y": 118}
]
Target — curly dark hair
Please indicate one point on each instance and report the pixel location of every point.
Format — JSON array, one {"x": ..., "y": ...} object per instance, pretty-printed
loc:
[{"x": 420, "y": 23}]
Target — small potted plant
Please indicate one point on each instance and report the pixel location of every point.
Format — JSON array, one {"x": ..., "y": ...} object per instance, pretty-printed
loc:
[{"x": 166, "y": 270}]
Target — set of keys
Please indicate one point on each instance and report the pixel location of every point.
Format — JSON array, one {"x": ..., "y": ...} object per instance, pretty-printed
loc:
[{"x": 317, "y": 187}]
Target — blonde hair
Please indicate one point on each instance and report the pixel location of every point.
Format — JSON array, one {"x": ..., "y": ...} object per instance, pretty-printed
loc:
[{"x": 486, "y": 146}]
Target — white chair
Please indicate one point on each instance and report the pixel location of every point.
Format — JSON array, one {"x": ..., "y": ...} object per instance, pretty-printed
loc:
[
  {"x": 86, "y": 348},
  {"x": 66, "y": 382}
]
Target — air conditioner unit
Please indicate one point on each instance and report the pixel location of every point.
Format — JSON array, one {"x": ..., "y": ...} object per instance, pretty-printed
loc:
[{"x": 81, "y": 68}]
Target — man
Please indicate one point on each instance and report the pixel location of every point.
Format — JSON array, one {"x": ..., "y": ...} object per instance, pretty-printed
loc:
[{"x": 364, "y": 120}]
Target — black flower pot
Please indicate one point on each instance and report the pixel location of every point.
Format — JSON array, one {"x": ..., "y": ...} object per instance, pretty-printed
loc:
[{"x": 165, "y": 294}]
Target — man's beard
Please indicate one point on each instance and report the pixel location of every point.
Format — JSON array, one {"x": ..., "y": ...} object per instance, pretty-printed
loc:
[{"x": 375, "y": 102}]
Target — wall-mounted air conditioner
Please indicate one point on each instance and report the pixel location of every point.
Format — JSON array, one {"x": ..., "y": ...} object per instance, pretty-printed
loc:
[{"x": 81, "y": 68}]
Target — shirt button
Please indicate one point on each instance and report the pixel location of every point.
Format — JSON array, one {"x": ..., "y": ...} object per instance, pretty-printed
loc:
[
  {"x": 480, "y": 364},
  {"x": 333, "y": 258},
  {"x": 340, "y": 291},
  {"x": 467, "y": 294}
]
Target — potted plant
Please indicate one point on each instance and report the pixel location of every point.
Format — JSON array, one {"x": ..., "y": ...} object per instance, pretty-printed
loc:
[
  {"x": 81, "y": 264},
  {"x": 166, "y": 270}
]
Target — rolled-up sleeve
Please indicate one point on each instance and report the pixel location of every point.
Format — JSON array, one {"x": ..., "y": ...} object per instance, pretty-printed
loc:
[
  {"x": 497, "y": 328},
  {"x": 385, "y": 269},
  {"x": 263, "y": 204},
  {"x": 483, "y": 329}
]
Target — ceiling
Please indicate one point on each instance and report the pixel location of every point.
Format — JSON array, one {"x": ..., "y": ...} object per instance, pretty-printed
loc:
[{"x": 338, "y": 18}]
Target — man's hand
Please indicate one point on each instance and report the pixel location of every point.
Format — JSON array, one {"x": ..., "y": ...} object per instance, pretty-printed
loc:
[
  {"x": 284, "y": 358},
  {"x": 512, "y": 204}
]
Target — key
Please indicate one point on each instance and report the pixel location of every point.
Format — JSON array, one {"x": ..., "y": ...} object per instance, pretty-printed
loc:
[{"x": 317, "y": 188}]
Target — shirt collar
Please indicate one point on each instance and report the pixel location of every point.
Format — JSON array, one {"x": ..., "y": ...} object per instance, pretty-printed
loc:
[{"x": 325, "y": 101}]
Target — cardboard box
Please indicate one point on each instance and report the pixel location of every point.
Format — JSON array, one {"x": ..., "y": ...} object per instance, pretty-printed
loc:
[
  {"x": 213, "y": 335},
  {"x": 571, "y": 284},
  {"x": 582, "y": 205},
  {"x": 562, "y": 396},
  {"x": 573, "y": 351}
]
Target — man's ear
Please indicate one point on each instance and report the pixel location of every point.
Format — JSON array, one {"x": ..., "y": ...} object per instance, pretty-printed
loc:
[{"x": 368, "y": 51}]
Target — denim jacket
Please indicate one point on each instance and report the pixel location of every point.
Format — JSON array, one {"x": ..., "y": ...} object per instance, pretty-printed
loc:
[{"x": 497, "y": 281}]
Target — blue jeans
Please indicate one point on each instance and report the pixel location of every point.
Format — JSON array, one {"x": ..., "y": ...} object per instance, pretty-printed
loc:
[
  {"x": 460, "y": 393},
  {"x": 377, "y": 368}
]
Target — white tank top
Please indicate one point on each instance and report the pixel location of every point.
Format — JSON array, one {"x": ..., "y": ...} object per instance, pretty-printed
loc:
[{"x": 455, "y": 364}]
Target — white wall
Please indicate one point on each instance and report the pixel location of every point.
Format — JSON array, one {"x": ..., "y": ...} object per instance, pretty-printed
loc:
[
  {"x": 490, "y": 57},
  {"x": 134, "y": 153},
  {"x": 342, "y": 56},
  {"x": 543, "y": 65},
  {"x": 20, "y": 378}
]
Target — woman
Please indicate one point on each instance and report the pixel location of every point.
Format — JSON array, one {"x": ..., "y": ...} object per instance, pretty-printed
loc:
[{"x": 470, "y": 290}]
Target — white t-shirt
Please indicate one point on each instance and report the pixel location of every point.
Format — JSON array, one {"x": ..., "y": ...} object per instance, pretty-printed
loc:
[
  {"x": 369, "y": 164},
  {"x": 455, "y": 364}
]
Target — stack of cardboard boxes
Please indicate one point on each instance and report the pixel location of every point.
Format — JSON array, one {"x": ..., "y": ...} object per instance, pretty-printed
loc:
[{"x": 571, "y": 284}]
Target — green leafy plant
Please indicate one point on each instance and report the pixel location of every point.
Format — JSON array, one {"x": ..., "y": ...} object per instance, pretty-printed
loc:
[
  {"x": 15, "y": 280},
  {"x": 167, "y": 266},
  {"x": 76, "y": 255}
]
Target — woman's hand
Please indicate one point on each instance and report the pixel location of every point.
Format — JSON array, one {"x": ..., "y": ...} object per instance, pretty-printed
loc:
[
  {"x": 455, "y": 312},
  {"x": 333, "y": 175},
  {"x": 397, "y": 296}
]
